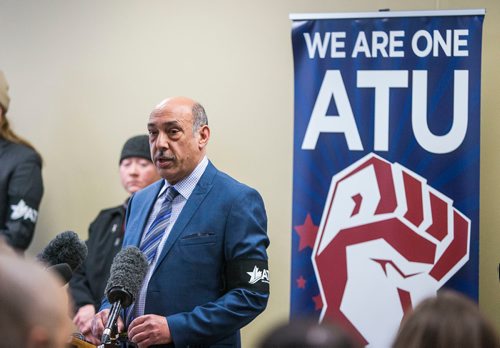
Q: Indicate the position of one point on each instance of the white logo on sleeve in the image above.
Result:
(257, 275)
(21, 210)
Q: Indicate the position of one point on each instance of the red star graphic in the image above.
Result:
(318, 302)
(301, 282)
(307, 233)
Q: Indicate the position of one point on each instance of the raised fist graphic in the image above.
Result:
(386, 241)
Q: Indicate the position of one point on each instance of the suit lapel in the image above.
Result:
(197, 196)
(144, 204)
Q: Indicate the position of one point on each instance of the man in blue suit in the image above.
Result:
(208, 274)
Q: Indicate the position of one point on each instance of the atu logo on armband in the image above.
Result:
(257, 275)
(22, 210)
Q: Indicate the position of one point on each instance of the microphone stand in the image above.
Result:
(111, 326)
(120, 341)
(120, 298)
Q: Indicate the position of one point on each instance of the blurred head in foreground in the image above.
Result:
(447, 320)
(33, 305)
(300, 333)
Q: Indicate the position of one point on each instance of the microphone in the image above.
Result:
(63, 271)
(65, 248)
(127, 272)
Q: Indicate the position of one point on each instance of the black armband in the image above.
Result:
(248, 274)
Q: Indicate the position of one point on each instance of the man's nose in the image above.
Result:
(162, 141)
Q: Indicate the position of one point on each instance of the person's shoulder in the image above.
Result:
(231, 185)
(148, 191)
(22, 153)
(119, 209)
(108, 214)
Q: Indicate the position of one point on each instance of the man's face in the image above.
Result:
(175, 150)
(137, 173)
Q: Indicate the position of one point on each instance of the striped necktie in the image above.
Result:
(149, 244)
(152, 238)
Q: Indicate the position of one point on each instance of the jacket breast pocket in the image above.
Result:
(198, 238)
(200, 250)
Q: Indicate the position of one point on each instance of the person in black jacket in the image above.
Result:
(105, 235)
(21, 184)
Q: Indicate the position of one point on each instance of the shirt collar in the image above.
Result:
(186, 186)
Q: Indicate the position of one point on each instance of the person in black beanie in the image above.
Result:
(106, 233)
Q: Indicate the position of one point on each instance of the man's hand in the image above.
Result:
(148, 330)
(99, 322)
(83, 321)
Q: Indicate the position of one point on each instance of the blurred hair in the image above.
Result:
(199, 117)
(446, 320)
(30, 297)
(6, 249)
(307, 332)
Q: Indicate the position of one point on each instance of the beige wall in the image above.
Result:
(84, 76)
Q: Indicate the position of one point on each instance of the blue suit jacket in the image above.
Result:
(222, 221)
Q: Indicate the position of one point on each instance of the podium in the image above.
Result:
(77, 342)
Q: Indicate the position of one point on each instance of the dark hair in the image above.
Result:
(446, 320)
(307, 332)
(199, 116)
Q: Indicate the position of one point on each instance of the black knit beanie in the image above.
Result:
(137, 146)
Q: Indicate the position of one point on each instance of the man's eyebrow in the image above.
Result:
(164, 124)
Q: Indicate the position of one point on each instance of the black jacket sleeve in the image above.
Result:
(24, 194)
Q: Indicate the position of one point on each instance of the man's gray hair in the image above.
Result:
(199, 117)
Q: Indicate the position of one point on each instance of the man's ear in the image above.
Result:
(204, 136)
(38, 338)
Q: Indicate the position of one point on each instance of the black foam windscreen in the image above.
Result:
(127, 271)
(67, 248)
(63, 271)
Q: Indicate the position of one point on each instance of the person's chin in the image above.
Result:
(133, 189)
(172, 179)
(167, 173)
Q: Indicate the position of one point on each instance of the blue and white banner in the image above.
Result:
(386, 164)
